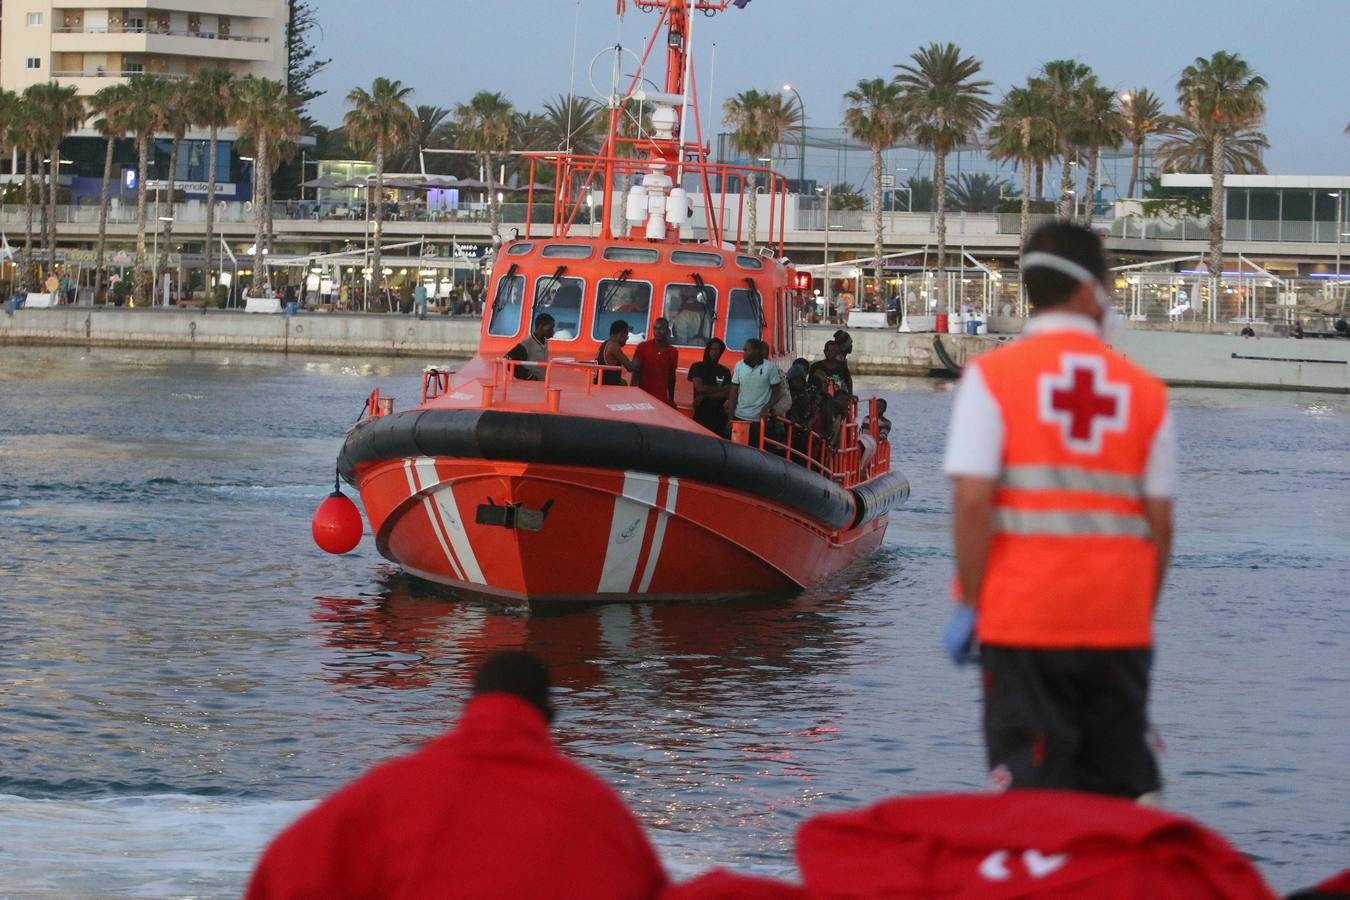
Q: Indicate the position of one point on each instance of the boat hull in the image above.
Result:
(557, 533)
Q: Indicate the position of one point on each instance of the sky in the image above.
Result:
(449, 49)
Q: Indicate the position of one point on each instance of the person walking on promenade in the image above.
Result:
(1062, 457)
(420, 300)
(491, 809)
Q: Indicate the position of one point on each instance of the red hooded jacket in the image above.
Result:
(491, 809)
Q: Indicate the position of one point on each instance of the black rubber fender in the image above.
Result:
(879, 496)
(605, 443)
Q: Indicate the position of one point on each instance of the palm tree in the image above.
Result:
(1187, 150)
(1022, 132)
(1102, 127)
(24, 134)
(1060, 83)
(760, 120)
(382, 118)
(920, 189)
(875, 118)
(1220, 97)
(573, 124)
(264, 113)
(485, 128)
(62, 111)
(213, 99)
(1142, 112)
(177, 114)
(143, 108)
(976, 193)
(108, 106)
(429, 121)
(946, 107)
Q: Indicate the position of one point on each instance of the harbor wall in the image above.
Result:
(1179, 357)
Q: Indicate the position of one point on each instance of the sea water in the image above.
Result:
(182, 672)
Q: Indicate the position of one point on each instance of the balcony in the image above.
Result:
(196, 44)
(246, 9)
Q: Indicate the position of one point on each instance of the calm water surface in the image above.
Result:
(182, 672)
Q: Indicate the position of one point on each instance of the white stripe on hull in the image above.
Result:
(659, 536)
(450, 520)
(436, 528)
(626, 531)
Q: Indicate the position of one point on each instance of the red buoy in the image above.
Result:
(337, 524)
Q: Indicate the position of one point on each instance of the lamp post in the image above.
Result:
(829, 303)
(801, 163)
(1337, 195)
(154, 266)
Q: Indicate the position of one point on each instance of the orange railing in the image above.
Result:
(844, 461)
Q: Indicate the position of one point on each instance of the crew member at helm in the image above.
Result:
(1062, 458)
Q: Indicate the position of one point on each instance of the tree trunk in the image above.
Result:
(53, 168)
(1091, 189)
(876, 219)
(940, 190)
(1066, 187)
(1040, 179)
(494, 214)
(1024, 227)
(376, 265)
(1216, 208)
(210, 207)
(138, 281)
(269, 220)
(27, 218)
(754, 212)
(260, 279)
(103, 217)
(169, 189)
(1135, 156)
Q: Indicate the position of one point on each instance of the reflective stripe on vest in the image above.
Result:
(1071, 478)
(1069, 524)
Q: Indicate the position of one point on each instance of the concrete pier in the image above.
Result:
(1182, 358)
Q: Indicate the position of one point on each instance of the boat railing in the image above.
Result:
(846, 461)
(556, 375)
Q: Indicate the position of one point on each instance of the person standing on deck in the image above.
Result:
(1062, 457)
(755, 386)
(491, 809)
(654, 363)
(533, 351)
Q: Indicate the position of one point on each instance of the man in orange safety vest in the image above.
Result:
(1062, 457)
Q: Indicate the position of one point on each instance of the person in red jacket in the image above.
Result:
(491, 809)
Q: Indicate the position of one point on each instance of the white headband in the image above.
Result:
(1041, 260)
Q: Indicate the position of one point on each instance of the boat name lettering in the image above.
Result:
(460, 395)
(628, 407)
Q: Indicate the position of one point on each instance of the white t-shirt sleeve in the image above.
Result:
(1160, 473)
(736, 374)
(975, 437)
(775, 376)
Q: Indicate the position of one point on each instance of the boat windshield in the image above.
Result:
(560, 298)
(507, 306)
(691, 310)
(621, 299)
(742, 318)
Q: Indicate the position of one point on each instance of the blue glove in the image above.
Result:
(958, 637)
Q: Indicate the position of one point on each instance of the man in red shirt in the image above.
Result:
(491, 809)
(654, 363)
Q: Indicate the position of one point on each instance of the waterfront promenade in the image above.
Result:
(1192, 354)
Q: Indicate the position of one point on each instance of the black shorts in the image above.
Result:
(1073, 719)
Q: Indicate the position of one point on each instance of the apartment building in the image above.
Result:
(90, 47)
(75, 42)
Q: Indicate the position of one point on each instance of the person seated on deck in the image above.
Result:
(687, 325)
(491, 809)
(883, 423)
(611, 354)
(712, 386)
(755, 386)
(533, 351)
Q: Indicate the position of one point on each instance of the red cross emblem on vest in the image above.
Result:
(1082, 402)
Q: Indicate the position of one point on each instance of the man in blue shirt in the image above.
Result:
(755, 386)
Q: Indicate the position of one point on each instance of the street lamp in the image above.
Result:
(801, 163)
(829, 303)
(154, 266)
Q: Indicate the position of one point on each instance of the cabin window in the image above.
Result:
(627, 300)
(743, 312)
(520, 249)
(696, 258)
(632, 254)
(567, 251)
(691, 310)
(750, 262)
(561, 299)
(507, 304)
